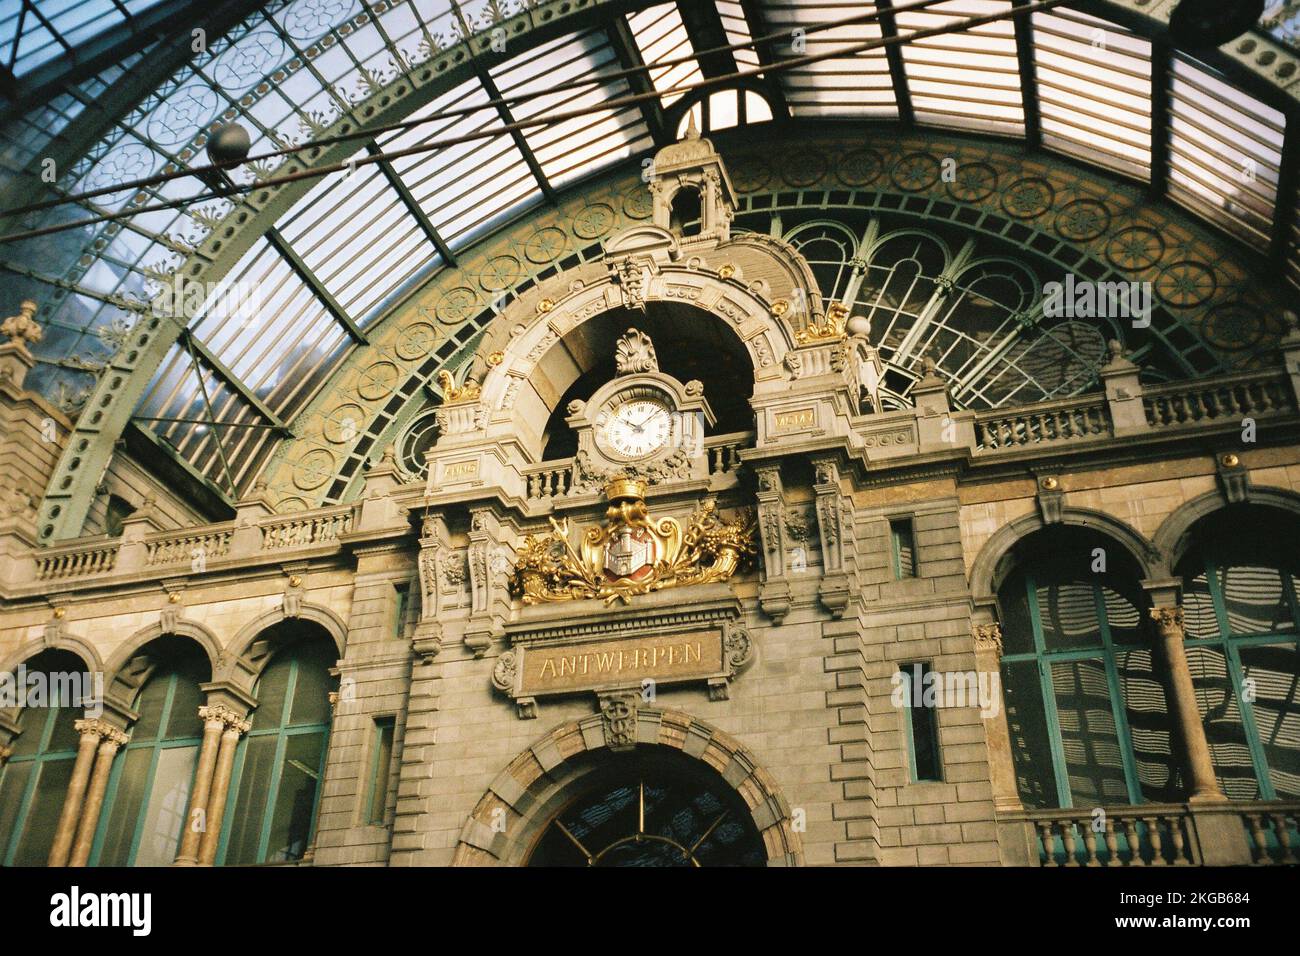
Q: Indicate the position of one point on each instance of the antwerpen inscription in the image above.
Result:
(666, 657)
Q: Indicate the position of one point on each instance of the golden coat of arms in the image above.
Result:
(631, 553)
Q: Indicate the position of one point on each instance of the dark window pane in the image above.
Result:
(1030, 748)
(1272, 674)
(1017, 628)
(1089, 737)
(1199, 618)
(183, 721)
(311, 697)
(382, 769)
(13, 784)
(296, 799)
(1216, 698)
(64, 737)
(128, 797)
(254, 781)
(1068, 612)
(38, 829)
(1254, 600)
(1151, 729)
(271, 691)
(32, 724)
(165, 814)
(150, 705)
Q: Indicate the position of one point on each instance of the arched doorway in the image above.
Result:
(691, 793)
(651, 810)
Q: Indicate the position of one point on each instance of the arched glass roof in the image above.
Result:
(1095, 81)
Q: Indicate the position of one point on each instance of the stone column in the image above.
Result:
(1200, 768)
(112, 740)
(90, 731)
(196, 814)
(235, 728)
(1002, 771)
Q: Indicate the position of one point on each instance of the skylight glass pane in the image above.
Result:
(968, 79)
(466, 188)
(1094, 90)
(266, 326)
(1225, 150)
(737, 28)
(853, 84)
(661, 36)
(572, 148)
(356, 236)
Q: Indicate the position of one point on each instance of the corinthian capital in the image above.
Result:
(1168, 618)
(102, 729)
(222, 714)
(988, 637)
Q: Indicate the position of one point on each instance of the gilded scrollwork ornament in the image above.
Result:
(631, 553)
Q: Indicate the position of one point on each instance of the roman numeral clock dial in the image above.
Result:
(636, 428)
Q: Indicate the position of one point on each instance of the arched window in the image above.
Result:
(1243, 629)
(34, 780)
(278, 769)
(1085, 698)
(144, 809)
(651, 811)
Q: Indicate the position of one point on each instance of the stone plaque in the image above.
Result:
(794, 420)
(663, 658)
(460, 470)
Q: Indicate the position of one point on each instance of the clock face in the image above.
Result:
(637, 427)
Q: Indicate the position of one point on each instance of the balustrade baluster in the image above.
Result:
(1134, 845)
(1157, 846)
(1046, 833)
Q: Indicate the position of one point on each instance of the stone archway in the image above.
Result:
(522, 800)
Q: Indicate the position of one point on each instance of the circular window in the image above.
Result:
(419, 437)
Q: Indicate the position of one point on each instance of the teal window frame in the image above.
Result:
(282, 732)
(1230, 645)
(898, 527)
(909, 733)
(1045, 659)
(158, 745)
(401, 607)
(38, 759)
(378, 789)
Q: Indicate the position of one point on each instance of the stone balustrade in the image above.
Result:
(1036, 425)
(1144, 835)
(1274, 830)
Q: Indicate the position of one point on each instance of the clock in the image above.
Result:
(635, 424)
(642, 423)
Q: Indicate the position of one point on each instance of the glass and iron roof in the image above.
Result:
(1093, 81)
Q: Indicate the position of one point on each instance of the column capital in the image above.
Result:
(102, 729)
(1168, 618)
(5, 753)
(226, 716)
(988, 637)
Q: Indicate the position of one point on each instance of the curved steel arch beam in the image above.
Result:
(1267, 66)
(117, 392)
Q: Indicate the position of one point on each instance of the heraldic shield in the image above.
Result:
(631, 552)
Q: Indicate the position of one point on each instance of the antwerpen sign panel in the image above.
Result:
(663, 658)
